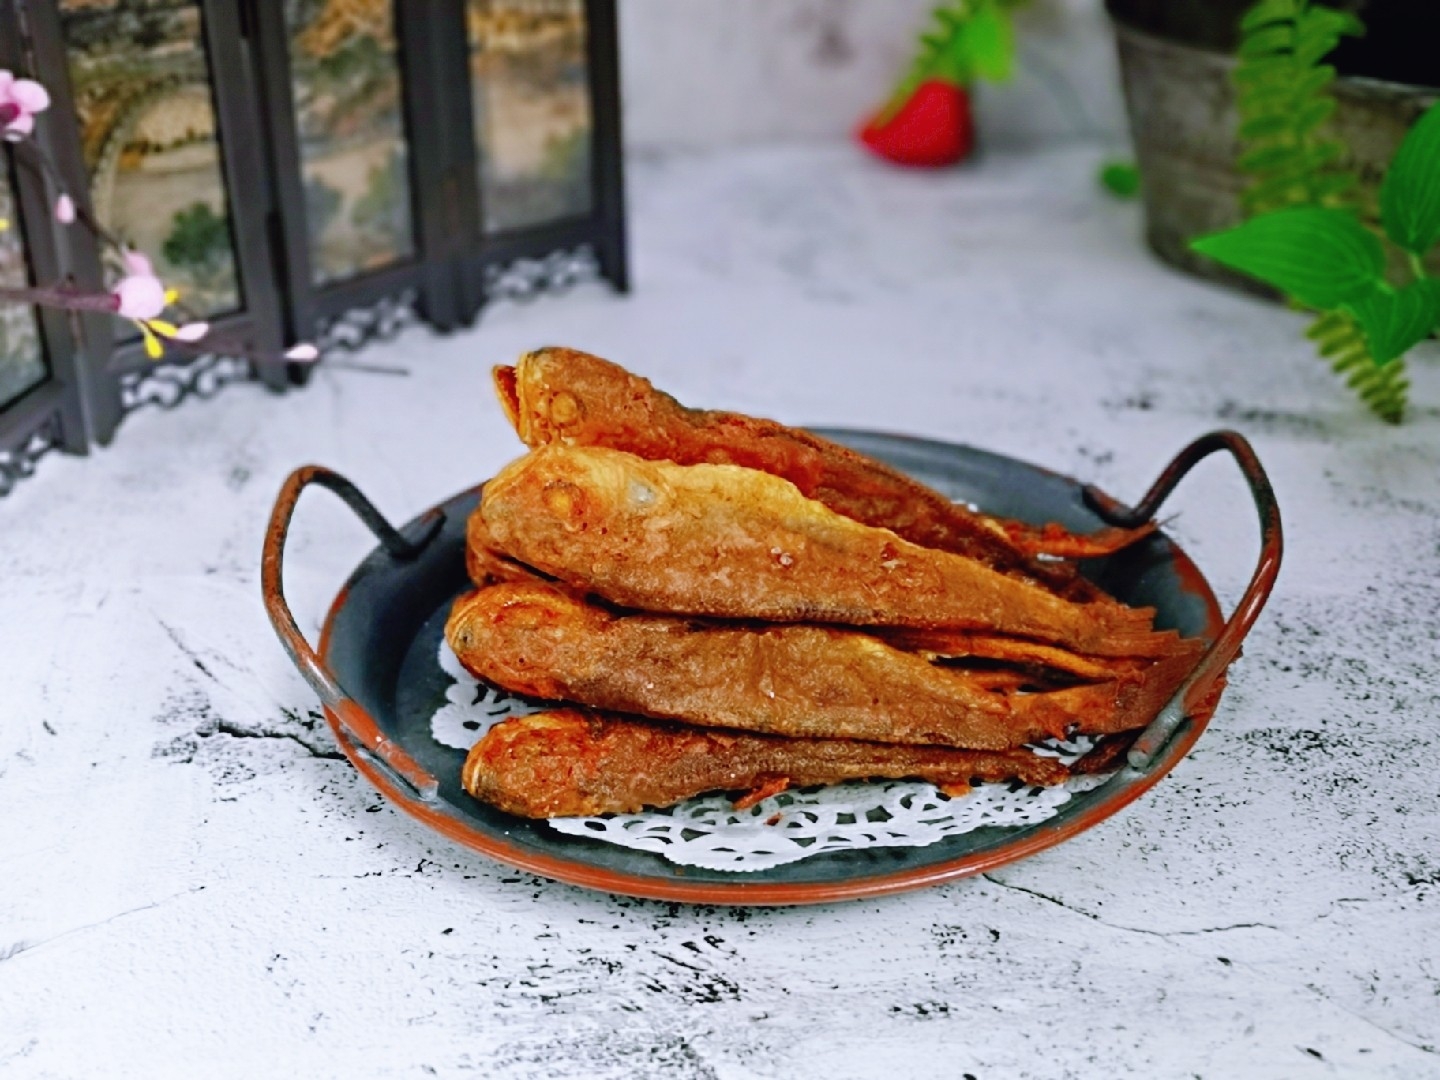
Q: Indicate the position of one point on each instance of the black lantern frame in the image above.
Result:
(50, 415)
(454, 265)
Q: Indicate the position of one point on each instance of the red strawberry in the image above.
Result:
(932, 127)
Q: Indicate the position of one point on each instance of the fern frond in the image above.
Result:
(1287, 160)
(1318, 30)
(1384, 389)
(1281, 91)
(1260, 127)
(1274, 39)
(1311, 114)
(1293, 188)
(1268, 11)
(1257, 70)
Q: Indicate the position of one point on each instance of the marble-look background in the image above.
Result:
(708, 73)
(193, 883)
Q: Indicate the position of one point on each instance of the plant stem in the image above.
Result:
(61, 297)
(1417, 266)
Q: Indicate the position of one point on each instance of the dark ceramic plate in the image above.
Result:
(377, 674)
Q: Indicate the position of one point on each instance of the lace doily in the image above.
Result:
(709, 832)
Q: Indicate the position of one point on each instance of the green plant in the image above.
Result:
(1120, 178)
(1306, 237)
(1282, 92)
(1326, 260)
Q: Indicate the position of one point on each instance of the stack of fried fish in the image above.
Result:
(718, 602)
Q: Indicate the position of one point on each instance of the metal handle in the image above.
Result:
(1201, 682)
(358, 725)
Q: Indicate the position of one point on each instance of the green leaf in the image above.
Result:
(1320, 29)
(1264, 78)
(1313, 113)
(1266, 158)
(942, 55)
(1120, 178)
(991, 39)
(1279, 190)
(1410, 194)
(1395, 319)
(1289, 160)
(1382, 388)
(1264, 70)
(1313, 81)
(1329, 188)
(1268, 11)
(1267, 41)
(1260, 127)
(1321, 257)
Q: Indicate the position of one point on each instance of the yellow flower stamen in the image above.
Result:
(153, 348)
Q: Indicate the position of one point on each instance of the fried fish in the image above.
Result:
(569, 763)
(733, 542)
(565, 396)
(780, 679)
(485, 564)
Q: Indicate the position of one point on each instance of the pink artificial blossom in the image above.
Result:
(191, 331)
(140, 296)
(137, 263)
(304, 352)
(20, 100)
(64, 209)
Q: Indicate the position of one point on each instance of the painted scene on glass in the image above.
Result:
(147, 128)
(346, 84)
(22, 367)
(532, 110)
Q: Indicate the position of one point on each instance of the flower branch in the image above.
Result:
(136, 292)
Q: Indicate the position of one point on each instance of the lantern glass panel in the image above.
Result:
(532, 109)
(347, 92)
(22, 361)
(143, 96)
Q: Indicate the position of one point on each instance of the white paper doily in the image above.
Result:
(710, 833)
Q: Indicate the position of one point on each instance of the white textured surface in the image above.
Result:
(179, 898)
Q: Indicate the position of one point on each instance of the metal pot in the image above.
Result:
(1183, 120)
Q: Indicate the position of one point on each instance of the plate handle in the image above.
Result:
(358, 725)
(1202, 681)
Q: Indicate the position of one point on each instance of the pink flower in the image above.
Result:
(137, 263)
(64, 209)
(140, 296)
(303, 352)
(191, 331)
(20, 100)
